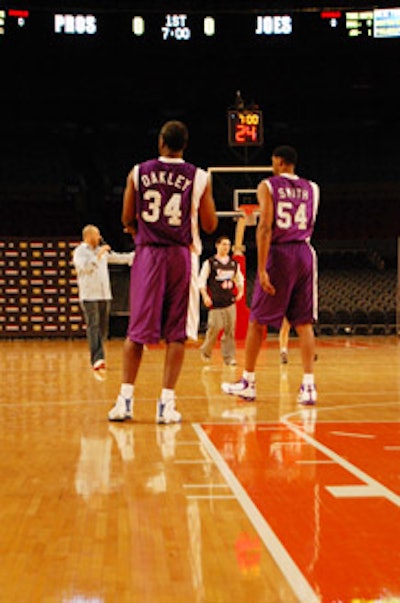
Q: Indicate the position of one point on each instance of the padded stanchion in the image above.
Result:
(242, 311)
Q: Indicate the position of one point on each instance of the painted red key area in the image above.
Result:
(348, 549)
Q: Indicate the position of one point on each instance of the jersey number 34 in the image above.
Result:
(171, 210)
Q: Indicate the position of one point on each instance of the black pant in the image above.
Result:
(97, 314)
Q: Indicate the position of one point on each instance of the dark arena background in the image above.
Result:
(85, 87)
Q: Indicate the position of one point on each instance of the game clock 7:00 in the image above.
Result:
(245, 128)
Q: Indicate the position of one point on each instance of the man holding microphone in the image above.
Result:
(91, 259)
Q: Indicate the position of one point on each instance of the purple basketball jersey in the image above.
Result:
(295, 208)
(164, 202)
(291, 264)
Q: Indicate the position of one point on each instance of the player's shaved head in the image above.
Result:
(175, 135)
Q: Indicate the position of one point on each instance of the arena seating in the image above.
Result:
(357, 292)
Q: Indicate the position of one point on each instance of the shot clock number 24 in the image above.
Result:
(245, 128)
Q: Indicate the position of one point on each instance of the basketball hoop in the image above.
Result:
(247, 216)
(250, 211)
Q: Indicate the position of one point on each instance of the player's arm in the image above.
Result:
(264, 235)
(207, 213)
(128, 217)
(202, 283)
(239, 282)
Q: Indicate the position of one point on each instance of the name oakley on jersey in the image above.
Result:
(178, 181)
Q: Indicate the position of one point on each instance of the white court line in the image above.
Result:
(349, 467)
(191, 461)
(358, 491)
(28, 403)
(348, 434)
(314, 462)
(324, 409)
(211, 496)
(205, 486)
(289, 569)
(276, 427)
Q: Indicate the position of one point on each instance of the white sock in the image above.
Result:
(284, 351)
(167, 395)
(126, 390)
(250, 377)
(308, 379)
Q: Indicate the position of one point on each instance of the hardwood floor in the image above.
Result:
(261, 502)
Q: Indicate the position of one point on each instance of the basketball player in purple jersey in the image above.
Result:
(163, 199)
(286, 282)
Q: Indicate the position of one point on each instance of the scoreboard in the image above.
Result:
(142, 65)
(182, 28)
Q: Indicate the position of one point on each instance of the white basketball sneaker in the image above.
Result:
(307, 395)
(243, 389)
(122, 410)
(167, 413)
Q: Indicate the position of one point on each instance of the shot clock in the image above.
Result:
(245, 128)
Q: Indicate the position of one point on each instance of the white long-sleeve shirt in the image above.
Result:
(92, 271)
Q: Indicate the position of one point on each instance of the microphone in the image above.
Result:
(102, 242)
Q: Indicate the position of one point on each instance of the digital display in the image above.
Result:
(387, 23)
(12, 15)
(274, 25)
(333, 17)
(359, 23)
(245, 128)
(191, 61)
(176, 26)
(138, 25)
(179, 29)
(75, 24)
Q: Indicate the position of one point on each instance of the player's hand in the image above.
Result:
(103, 249)
(207, 300)
(265, 283)
(239, 295)
(130, 230)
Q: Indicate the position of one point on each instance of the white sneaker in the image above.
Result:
(122, 410)
(241, 388)
(99, 364)
(167, 413)
(307, 395)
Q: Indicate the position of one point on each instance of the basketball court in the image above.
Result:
(242, 501)
(260, 502)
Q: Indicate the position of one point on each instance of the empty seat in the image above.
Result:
(343, 320)
(326, 322)
(377, 321)
(361, 322)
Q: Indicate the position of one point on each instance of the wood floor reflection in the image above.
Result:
(93, 512)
